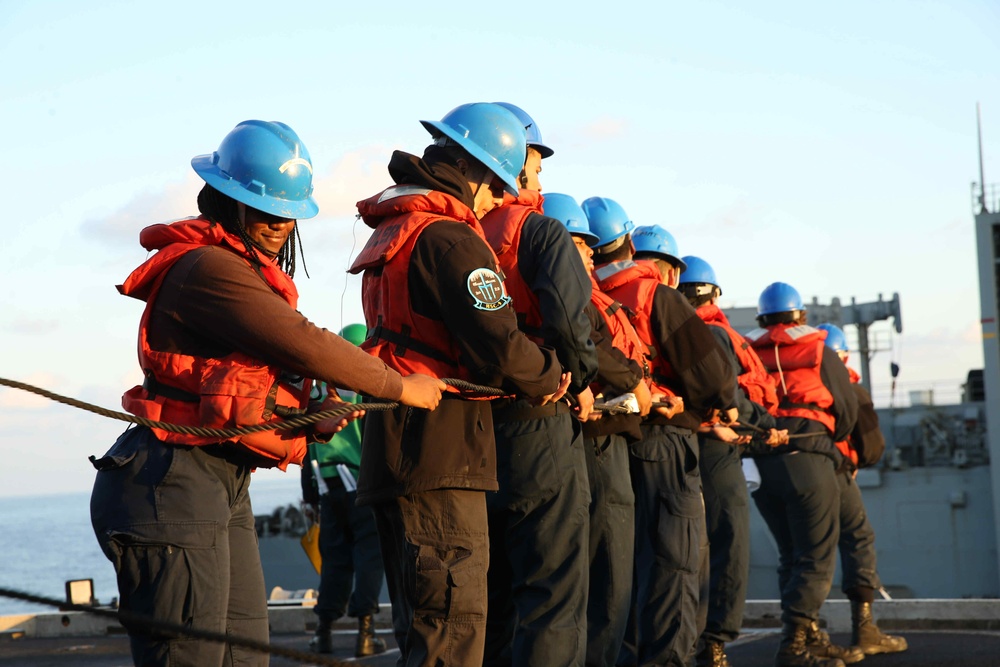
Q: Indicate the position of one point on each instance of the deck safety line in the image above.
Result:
(137, 621)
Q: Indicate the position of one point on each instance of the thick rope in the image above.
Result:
(167, 628)
(285, 424)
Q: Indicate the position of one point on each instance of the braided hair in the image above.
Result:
(222, 209)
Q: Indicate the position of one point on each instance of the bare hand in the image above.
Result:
(585, 404)
(728, 435)
(729, 416)
(674, 405)
(777, 438)
(335, 424)
(643, 398)
(564, 381)
(422, 391)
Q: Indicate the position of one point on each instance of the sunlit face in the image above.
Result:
(671, 275)
(268, 232)
(586, 253)
(532, 168)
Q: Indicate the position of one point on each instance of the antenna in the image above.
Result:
(982, 180)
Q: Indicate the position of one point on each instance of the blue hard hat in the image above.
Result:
(655, 239)
(489, 133)
(565, 209)
(836, 339)
(778, 298)
(264, 165)
(698, 272)
(607, 220)
(530, 128)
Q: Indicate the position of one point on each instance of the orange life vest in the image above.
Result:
(502, 227)
(633, 284)
(755, 381)
(236, 390)
(792, 355)
(405, 340)
(623, 334)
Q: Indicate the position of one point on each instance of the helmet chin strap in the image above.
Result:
(486, 178)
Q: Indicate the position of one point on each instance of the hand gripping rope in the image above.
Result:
(164, 627)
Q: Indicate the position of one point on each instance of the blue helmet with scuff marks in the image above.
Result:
(488, 132)
(264, 165)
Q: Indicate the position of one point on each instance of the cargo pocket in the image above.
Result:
(120, 454)
(677, 532)
(169, 572)
(446, 583)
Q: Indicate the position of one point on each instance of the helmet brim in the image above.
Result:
(209, 172)
(437, 128)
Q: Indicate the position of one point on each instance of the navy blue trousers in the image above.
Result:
(727, 515)
(612, 537)
(177, 525)
(671, 555)
(538, 524)
(351, 574)
(799, 499)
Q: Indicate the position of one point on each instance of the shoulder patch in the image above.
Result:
(486, 287)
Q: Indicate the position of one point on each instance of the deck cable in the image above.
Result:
(134, 621)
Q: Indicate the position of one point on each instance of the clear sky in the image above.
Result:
(828, 146)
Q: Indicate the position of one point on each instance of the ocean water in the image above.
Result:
(47, 540)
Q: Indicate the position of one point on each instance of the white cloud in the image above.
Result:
(358, 174)
(175, 201)
(20, 399)
(604, 128)
(31, 327)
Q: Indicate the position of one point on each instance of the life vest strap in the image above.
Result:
(403, 342)
(157, 388)
(785, 403)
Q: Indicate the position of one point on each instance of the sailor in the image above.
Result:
(687, 364)
(860, 578)
(221, 345)
(622, 372)
(538, 520)
(434, 300)
(727, 502)
(351, 572)
(799, 496)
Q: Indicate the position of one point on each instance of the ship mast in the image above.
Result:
(988, 250)
(982, 180)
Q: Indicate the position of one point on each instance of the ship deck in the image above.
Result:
(940, 633)
(928, 648)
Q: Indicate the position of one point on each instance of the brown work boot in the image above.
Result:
(792, 651)
(322, 641)
(866, 635)
(712, 654)
(819, 644)
(368, 643)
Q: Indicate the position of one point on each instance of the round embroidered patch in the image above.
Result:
(486, 288)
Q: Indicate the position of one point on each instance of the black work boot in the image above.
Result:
(819, 644)
(711, 654)
(322, 641)
(368, 642)
(792, 651)
(866, 635)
